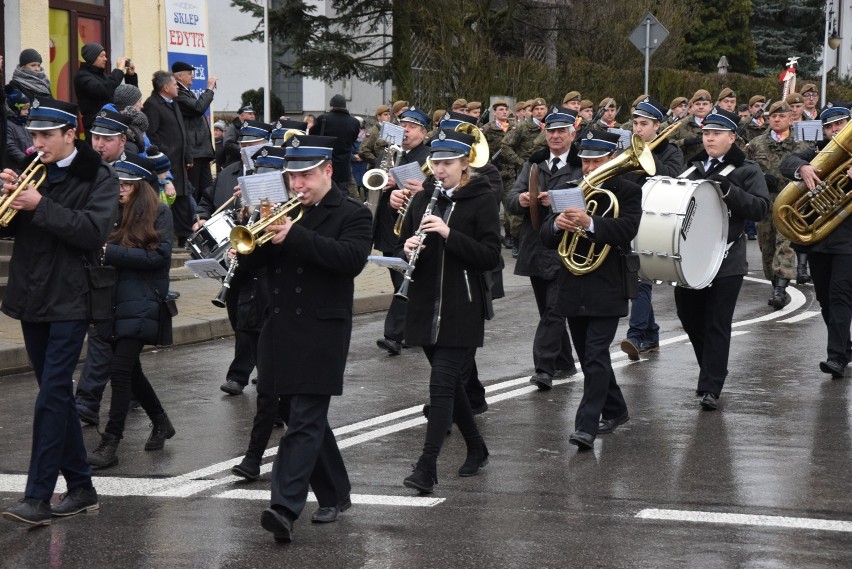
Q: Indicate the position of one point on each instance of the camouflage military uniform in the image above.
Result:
(372, 148)
(779, 259)
(517, 146)
(494, 135)
(689, 139)
(752, 131)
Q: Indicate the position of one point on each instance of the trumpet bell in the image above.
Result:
(244, 238)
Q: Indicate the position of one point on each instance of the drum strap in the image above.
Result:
(724, 172)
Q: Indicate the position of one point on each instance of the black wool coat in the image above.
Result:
(167, 131)
(344, 127)
(199, 137)
(95, 87)
(534, 259)
(601, 292)
(47, 278)
(445, 300)
(142, 279)
(304, 341)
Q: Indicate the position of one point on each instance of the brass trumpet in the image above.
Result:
(244, 238)
(23, 180)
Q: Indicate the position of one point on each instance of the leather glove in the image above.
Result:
(724, 184)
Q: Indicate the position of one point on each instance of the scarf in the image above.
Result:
(37, 82)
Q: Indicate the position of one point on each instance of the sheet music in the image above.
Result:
(407, 172)
(391, 133)
(562, 199)
(807, 130)
(388, 262)
(209, 268)
(269, 185)
(247, 155)
(624, 137)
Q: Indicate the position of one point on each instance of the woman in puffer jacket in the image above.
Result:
(140, 250)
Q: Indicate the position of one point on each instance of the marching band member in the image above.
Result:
(311, 268)
(448, 303)
(707, 314)
(593, 303)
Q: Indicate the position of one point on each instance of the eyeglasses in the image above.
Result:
(811, 95)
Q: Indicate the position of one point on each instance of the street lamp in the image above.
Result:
(832, 41)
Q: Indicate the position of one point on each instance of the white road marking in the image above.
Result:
(745, 519)
(369, 499)
(802, 316)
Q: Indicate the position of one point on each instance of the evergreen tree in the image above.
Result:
(786, 28)
(721, 28)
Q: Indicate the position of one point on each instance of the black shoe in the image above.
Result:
(231, 387)
(631, 348)
(606, 426)
(802, 276)
(393, 347)
(76, 501)
(280, 525)
(162, 429)
(29, 511)
(507, 242)
(88, 416)
(248, 469)
(329, 514)
(477, 458)
(515, 250)
(542, 380)
(172, 295)
(582, 440)
(565, 373)
(834, 367)
(752, 237)
(780, 298)
(645, 347)
(105, 455)
(423, 479)
(481, 409)
(708, 402)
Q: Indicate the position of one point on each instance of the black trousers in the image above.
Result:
(447, 398)
(706, 315)
(200, 176)
(126, 377)
(182, 216)
(832, 276)
(268, 405)
(552, 343)
(245, 341)
(308, 455)
(601, 394)
(395, 318)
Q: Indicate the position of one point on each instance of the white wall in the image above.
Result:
(239, 65)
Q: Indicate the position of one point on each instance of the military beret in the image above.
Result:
(794, 99)
(382, 109)
(499, 103)
(571, 96)
(677, 101)
(398, 106)
(725, 93)
(521, 105)
(756, 99)
(808, 87)
(474, 105)
(700, 95)
(438, 115)
(778, 107)
(606, 103)
(586, 104)
(459, 104)
(538, 102)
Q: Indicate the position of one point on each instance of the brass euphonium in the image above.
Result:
(23, 180)
(244, 238)
(809, 216)
(638, 156)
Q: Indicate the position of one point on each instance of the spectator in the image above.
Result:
(94, 87)
(29, 77)
(18, 138)
(232, 135)
(219, 128)
(337, 122)
(194, 109)
(166, 130)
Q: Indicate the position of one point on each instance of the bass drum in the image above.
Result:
(683, 233)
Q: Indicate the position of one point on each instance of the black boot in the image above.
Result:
(162, 429)
(779, 298)
(802, 276)
(424, 477)
(477, 457)
(105, 455)
(249, 468)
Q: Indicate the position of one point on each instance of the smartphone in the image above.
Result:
(128, 64)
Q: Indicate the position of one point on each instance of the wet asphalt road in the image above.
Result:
(779, 447)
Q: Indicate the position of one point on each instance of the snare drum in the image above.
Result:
(212, 241)
(683, 233)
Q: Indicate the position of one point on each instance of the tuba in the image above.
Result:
(24, 179)
(583, 257)
(807, 216)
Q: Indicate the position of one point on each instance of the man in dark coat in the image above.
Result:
(94, 86)
(311, 267)
(594, 302)
(58, 225)
(167, 131)
(231, 141)
(707, 314)
(337, 122)
(557, 165)
(194, 108)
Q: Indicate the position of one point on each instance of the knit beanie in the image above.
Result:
(29, 55)
(162, 164)
(91, 51)
(125, 96)
(138, 119)
(337, 102)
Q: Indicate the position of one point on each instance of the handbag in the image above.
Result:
(630, 272)
(167, 310)
(102, 281)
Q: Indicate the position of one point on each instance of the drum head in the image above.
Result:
(703, 236)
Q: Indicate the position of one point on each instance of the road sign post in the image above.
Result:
(647, 37)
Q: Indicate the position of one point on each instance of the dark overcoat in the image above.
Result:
(304, 341)
(446, 305)
(167, 131)
(344, 128)
(198, 135)
(95, 87)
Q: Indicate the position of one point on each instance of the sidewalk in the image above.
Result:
(198, 319)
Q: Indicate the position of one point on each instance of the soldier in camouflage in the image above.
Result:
(689, 137)
(811, 96)
(768, 149)
(757, 124)
(372, 146)
(797, 106)
(607, 120)
(629, 124)
(437, 117)
(677, 110)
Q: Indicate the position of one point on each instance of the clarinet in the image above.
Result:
(402, 293)
(226, 284)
